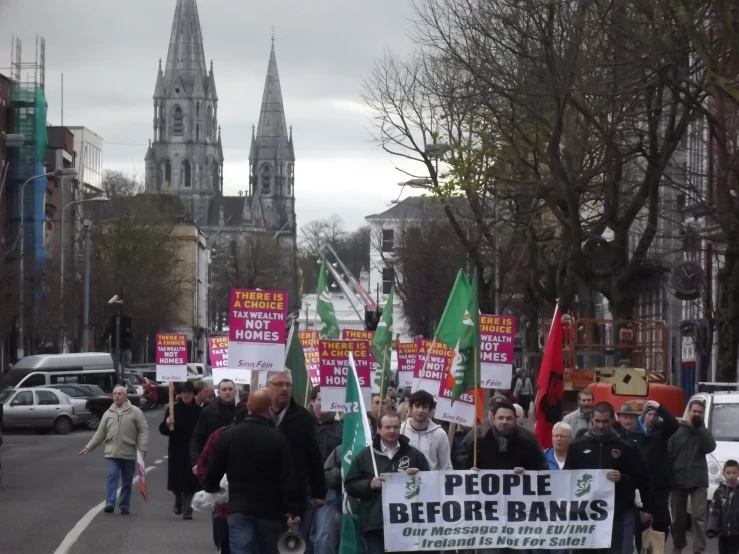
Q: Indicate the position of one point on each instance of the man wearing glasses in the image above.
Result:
(296, 424)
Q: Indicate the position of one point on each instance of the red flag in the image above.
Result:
(550, 384)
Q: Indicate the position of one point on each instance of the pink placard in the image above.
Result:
(335, 367)
(309, 342)
(171, 357)
(497, 335)
(433, 361)
(218, 351)
(256, 335)
(407, 352)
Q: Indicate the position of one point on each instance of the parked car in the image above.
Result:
(721, 417)
(41, 409)
(96, 402)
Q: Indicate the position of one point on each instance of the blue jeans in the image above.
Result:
(253, 535)
(323, 527)
(123, 470)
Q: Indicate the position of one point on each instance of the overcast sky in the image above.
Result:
(108, 51)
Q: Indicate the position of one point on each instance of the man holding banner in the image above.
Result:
(390, 452)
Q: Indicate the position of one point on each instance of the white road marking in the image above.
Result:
(76, 532)
(165, 457)
(158, 462)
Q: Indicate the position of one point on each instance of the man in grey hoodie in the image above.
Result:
(424, 434)
(580, 418)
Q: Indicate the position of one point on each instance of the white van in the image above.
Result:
(94, 368)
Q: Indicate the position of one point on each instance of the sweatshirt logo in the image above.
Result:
(616, 453)
(404, 463)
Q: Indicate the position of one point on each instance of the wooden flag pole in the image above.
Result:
(474, 425)
(171, 405)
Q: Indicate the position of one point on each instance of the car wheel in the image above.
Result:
(62, 425)
(94, 421)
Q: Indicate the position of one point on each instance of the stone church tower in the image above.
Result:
(272, 157)
(186, 158)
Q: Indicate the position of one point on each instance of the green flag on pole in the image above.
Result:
(356, 435)
(295, 362)
(329, 323)
(382, 345)
(466, 364)
(450, 325)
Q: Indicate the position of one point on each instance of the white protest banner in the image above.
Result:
(497, 341)
(466, 510)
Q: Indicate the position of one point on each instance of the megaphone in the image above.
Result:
(291, 542)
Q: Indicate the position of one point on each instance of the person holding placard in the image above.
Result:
(390, 452)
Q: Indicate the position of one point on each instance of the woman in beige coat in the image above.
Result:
(124, 430)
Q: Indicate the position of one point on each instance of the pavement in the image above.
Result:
(48, 490)
(51, 502)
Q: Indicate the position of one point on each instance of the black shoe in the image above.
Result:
(108, 509)
(178, 505)
(124, 511)
(187, 505)
(187, 515)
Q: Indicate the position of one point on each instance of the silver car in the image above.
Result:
(41, 409)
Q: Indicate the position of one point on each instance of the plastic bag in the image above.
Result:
(205, 501)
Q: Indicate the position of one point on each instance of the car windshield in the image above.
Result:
(12, 378)
(723, 422)
(5, 395)
(134, 379)
(94, 389)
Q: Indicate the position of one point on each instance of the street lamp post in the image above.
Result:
(86, 298)
(61, 265)
(22, 236)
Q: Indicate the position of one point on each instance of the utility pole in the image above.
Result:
(86, 300)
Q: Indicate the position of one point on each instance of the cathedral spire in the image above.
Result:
(186, 56)
(272, 128)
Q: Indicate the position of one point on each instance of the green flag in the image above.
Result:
(295, 362)
(329, 323)
(356, 435)
(466, 363)
(382, 345)
(451, 320)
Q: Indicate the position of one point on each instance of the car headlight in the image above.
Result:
(714, 470)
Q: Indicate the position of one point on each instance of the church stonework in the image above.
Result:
(185, 157)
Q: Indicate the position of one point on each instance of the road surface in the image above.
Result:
(51, 502)
(48, 490)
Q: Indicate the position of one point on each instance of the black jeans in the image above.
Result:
(524, 400)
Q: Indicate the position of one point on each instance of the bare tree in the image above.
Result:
(117, 183)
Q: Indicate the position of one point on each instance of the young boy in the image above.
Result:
(724, 517)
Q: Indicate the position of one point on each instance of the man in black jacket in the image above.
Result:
(504, 446)
(257, 460)
(602, 448)
(686, 452)
(652, 432)
(297, 426)
(219, 413)
(392, 453)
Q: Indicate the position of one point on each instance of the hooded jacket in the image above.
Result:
(433, 442)
(593, 451)
(361, 473)
(124, 430)
(653, 443)
(723, 519)
(686, 451)
(212, 417)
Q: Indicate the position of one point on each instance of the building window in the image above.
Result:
(197, 133)
(178, 122)
(209, 123)
(388, 278)
(167, 174)
(388, 240)
(185, 174)
(266, 179)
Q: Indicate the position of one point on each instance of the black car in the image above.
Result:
(97, 401)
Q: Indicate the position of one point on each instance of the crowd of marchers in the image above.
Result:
(283, 462)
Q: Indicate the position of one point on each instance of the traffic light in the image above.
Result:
(126, 332)
(372, 319)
